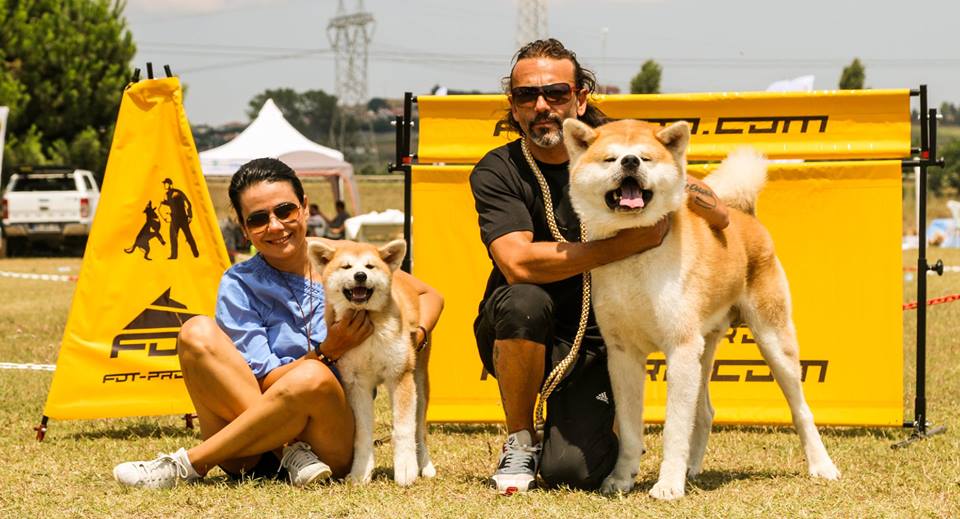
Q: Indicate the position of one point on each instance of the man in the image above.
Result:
(181, 213)
(532, 304)
(336, 226)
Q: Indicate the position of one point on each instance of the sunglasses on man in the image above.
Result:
(556, 93)
(286, 212)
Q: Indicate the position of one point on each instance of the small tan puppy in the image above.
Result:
(680, 297)
(362, 277)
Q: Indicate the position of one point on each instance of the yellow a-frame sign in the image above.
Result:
(154, 259)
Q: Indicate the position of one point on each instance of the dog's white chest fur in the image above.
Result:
(640, 301)
(383, 356)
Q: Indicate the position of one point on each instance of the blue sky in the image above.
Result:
(227, 51)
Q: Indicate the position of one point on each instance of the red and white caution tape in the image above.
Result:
(43, 277)
(35, 367)
(946, 268)
(935, 301)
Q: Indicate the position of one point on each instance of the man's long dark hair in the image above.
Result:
(583, 78)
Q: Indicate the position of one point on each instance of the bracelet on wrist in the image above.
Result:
(425, 341)
(323, 358)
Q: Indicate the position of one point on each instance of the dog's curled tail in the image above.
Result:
(739, 179)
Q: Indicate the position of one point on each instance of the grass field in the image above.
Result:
(750, 471)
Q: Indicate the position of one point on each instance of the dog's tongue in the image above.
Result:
(359, 292)
(630, 195)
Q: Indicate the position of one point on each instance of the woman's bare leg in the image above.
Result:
(307, 403)
(218, 380)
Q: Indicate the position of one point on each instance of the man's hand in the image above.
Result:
(352, 329)
(706, 204)
(644, 238)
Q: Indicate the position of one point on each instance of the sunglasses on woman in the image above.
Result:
(556, 93)
(286, 212)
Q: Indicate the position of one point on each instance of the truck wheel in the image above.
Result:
(75, 245)
(16, 247)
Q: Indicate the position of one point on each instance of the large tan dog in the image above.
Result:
(362, 277)
(680, 297)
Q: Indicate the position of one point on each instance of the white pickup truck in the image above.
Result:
(50, 205)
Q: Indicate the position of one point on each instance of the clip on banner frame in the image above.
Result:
(924, 157)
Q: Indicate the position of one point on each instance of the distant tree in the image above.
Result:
(948, 177)
(950, 112)
(376, 103)
(647, 81)
(63, 65)
(853, 76)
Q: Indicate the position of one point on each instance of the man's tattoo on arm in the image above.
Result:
(703, 196)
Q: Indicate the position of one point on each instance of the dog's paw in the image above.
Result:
(428, 471)
(405, 471)
(694, 471)
(359, 477)
(613, 485)
(666, 491)
(825, 470)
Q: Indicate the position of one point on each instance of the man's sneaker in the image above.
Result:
(517, 470)
(303, 466)
(163, 472)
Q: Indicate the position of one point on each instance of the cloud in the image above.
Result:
(192, 6)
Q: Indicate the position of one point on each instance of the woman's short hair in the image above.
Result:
(257, 171)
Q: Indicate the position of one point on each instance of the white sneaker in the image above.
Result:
(163, 472)
(303, 466)
(519, 461)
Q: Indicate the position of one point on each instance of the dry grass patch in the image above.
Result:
(750, 471)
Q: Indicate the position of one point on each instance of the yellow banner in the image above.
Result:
(837, 228)
(154, 259)
(836, 124)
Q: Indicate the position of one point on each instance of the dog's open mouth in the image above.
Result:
(630, 196)
(358, 294)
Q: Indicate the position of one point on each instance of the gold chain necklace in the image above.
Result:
(309, 291)
(555, 376)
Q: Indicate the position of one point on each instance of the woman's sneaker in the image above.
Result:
(303, 466)
(163, 472)
(517, 469)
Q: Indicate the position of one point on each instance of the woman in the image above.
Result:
(256, 381)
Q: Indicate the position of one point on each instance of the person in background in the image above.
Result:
(336, 226)
(316, 222)
(232, 237)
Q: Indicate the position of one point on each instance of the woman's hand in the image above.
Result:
(345, 334)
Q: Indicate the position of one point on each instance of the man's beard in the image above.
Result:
(547, 137)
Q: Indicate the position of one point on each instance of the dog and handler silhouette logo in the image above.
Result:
(178, 215)
(153, 260)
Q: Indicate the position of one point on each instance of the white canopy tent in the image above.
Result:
(270, 135)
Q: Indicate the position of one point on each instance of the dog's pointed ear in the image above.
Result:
(320, 253)
(392, 253)
(676, 137)
(577, 137)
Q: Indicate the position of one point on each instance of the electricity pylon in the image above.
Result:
(531, 21)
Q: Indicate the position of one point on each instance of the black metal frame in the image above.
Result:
(927, 158)
(927, 153)
(402, 162)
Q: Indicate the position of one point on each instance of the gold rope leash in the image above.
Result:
(555, 376)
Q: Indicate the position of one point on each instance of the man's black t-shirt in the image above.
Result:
(508, 199)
